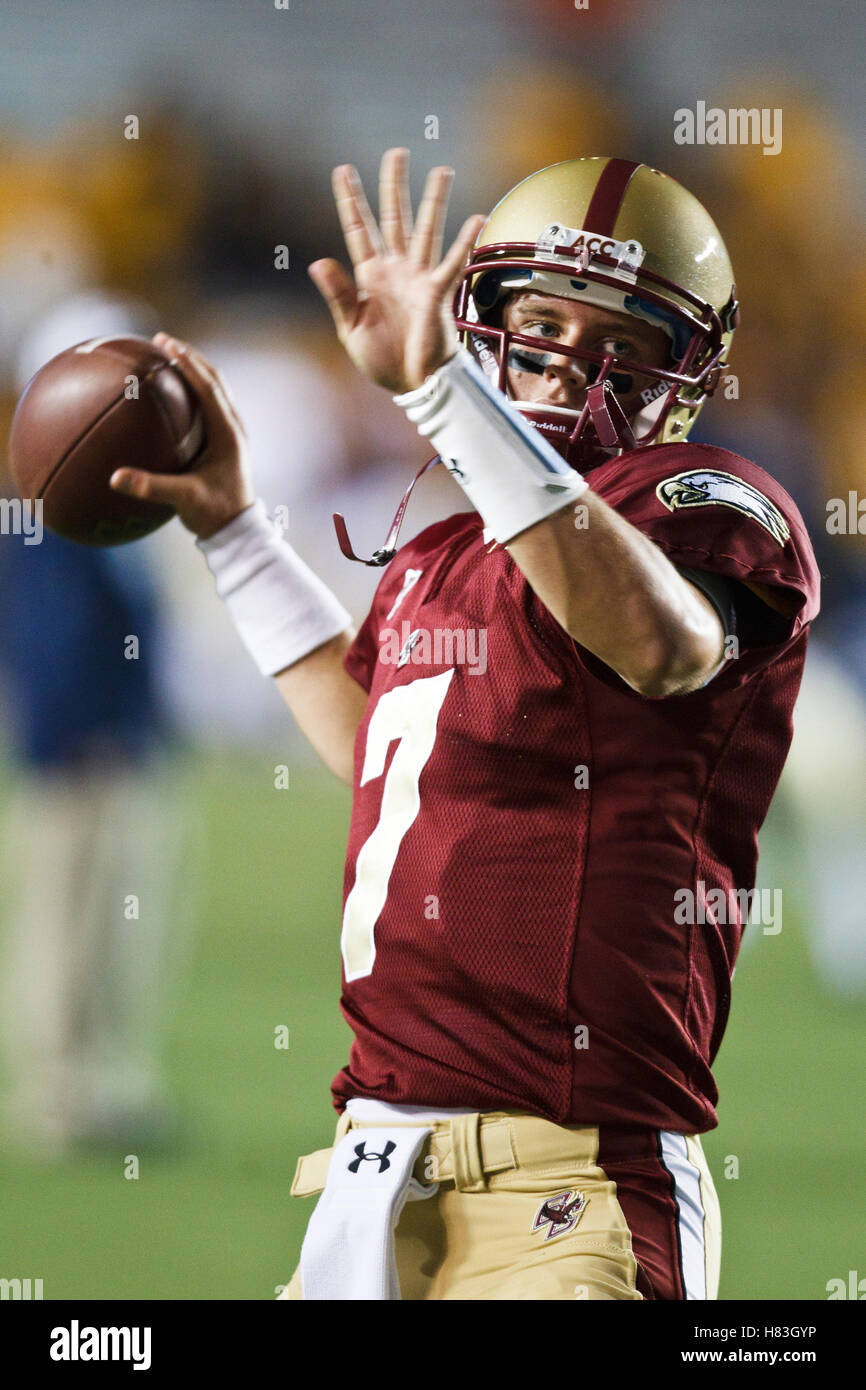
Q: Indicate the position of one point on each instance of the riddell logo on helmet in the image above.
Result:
(548, 426)
(653, 392)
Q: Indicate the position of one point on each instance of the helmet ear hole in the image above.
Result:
(495, 315)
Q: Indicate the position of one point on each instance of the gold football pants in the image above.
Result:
(529, 1209)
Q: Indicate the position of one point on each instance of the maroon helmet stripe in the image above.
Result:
(607, 199)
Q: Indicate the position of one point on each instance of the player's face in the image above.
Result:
(552, 378)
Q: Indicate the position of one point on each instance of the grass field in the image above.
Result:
(212, 1217)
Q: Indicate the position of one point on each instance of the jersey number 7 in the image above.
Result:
(408, 713)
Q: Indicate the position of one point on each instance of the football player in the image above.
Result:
(563, 720)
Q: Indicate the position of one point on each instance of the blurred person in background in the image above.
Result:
(93, 828)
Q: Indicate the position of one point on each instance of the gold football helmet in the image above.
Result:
(625, 237)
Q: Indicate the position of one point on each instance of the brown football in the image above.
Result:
(106, 403)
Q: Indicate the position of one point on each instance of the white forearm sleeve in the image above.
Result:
(281, 609)
(507, 469)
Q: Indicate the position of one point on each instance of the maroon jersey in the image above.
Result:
(525, 824)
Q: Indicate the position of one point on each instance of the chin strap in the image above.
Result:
(608, 417)
(385, 554)
(611, 426)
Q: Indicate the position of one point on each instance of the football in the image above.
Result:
(95, 407)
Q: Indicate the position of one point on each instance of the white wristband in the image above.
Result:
(281, 609)
(509, 472)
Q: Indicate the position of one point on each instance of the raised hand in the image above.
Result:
(394, 315)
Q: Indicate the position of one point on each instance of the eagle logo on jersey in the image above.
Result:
(703, 488)
(559, 1214)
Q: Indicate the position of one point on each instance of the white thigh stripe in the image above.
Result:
(691, 1215)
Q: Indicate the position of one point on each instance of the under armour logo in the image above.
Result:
(384, 1161)
(559, 1214)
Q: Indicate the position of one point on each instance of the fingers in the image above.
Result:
(395, 208)
(364, 239)
(221, 419)
(337, 288)
(359, 227)
(426, 243)
(172, 490)
(196, 361)
(454, 261)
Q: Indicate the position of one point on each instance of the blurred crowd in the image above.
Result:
(178, 229)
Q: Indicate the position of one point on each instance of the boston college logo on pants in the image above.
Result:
(559, 1214)
(384, 1161)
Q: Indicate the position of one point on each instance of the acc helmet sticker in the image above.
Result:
(704, 487)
